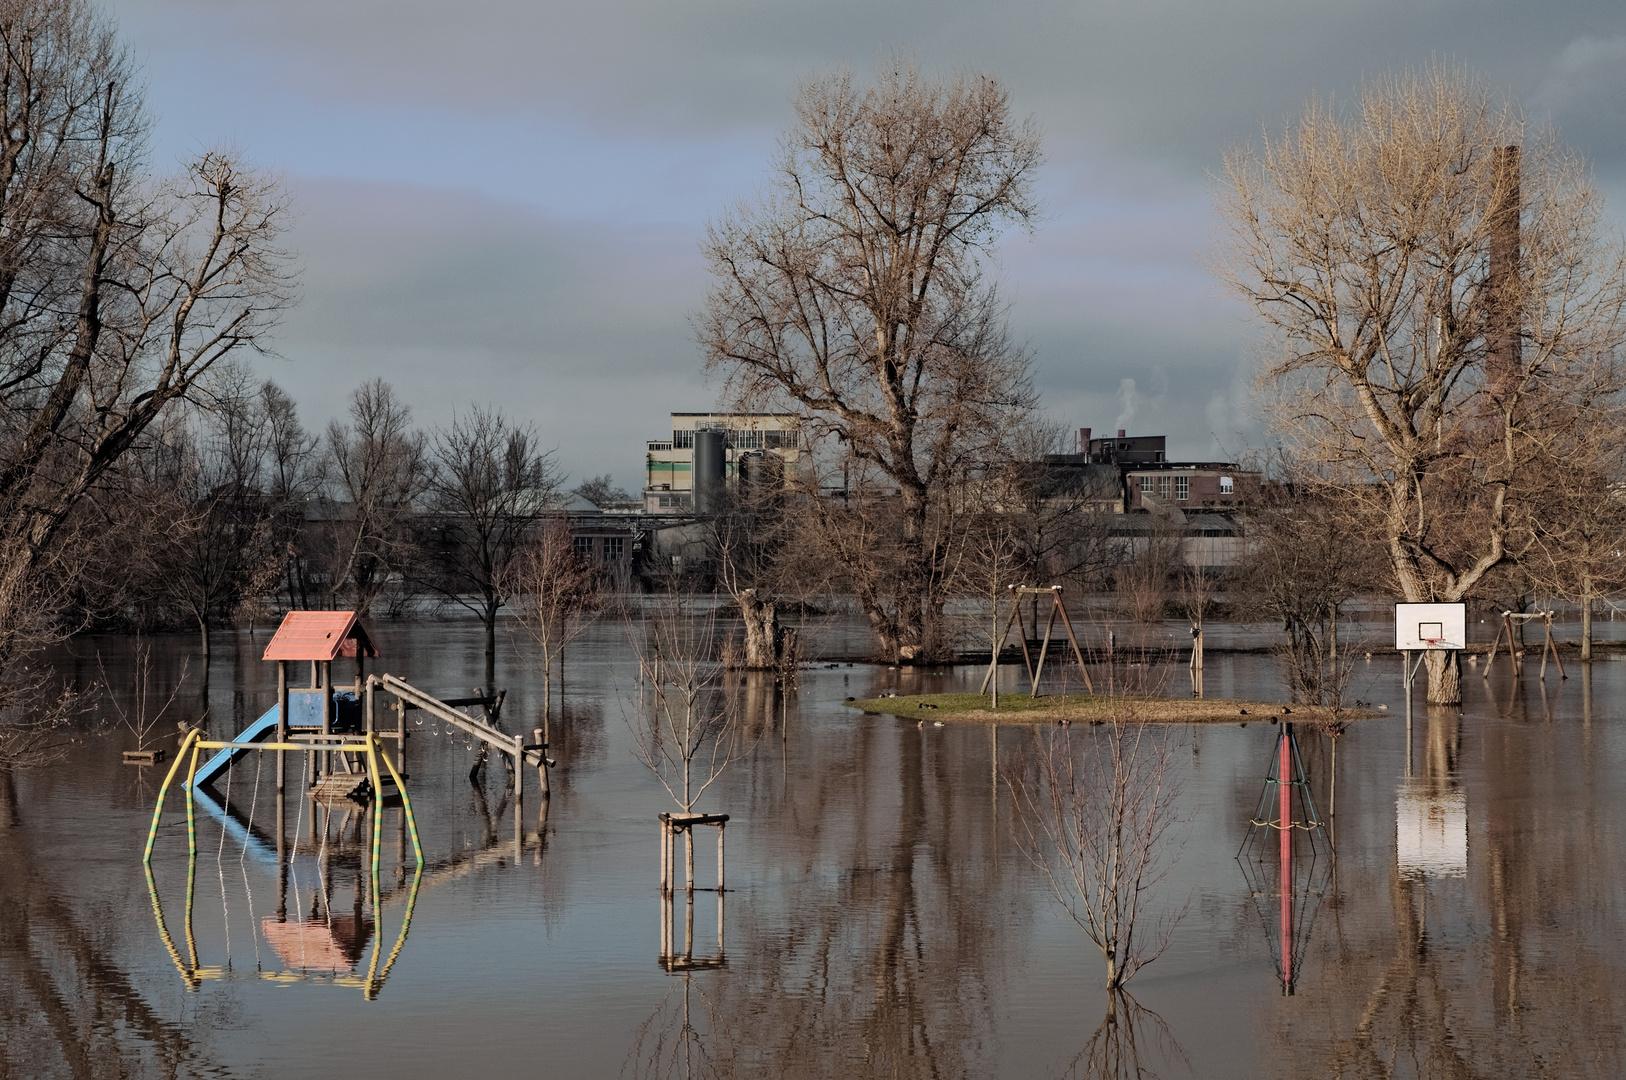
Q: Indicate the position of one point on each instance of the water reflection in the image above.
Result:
(318, 943)
(883, 924)
(1129, 1044)
(1286, 858)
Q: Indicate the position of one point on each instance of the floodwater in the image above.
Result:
(1461, 915)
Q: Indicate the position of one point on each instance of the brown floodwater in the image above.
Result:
(1461, 914)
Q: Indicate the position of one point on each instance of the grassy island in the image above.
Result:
(1083, 708)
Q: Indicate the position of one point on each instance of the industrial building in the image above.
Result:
(715, 447)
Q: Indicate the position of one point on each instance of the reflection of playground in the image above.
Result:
(1282, 859)
(319, 943)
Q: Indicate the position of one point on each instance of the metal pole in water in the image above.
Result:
(1284, 787)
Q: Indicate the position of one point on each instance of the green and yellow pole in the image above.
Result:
(378, 813)
(406, 804)
(163, 791)
(191, 815)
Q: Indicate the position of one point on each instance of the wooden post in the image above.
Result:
(327, 712)
(688, 864)
(1078, 654)
(1044, 646)
(367, 708)
(666, 852)
(282, 724)
(721, 825)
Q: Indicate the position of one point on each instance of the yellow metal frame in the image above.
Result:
(191, 973)
(370, 745)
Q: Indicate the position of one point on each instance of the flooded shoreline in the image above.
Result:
(880, 918)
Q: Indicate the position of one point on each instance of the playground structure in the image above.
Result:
(1036, 669)
(348, 767)
(1548, 645)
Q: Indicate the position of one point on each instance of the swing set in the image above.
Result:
(1548, 645)
(1035, 670)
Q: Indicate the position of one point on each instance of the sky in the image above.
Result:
(500, 202)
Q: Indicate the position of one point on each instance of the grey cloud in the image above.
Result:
(579, 327)
(1167, 77)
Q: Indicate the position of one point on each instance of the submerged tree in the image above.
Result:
(555, 595)
(118, 292)
(1308, 556)
(1447, 297)
(854, 294)
(490, 484)
(690, 731)
(1093, 813)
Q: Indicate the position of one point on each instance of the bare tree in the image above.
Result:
(211, 530)
(1094, 816)
(1308, 556)
(292, 482)
(993, 557)
(690, 731)
(375, 471)
(1579, 551)
(118, 292)
(1147, 578)
(491, 483)
(753, 540)
(1062, 509)
(1448, 299)
(854, 294)
(602, 491)
(555, 595)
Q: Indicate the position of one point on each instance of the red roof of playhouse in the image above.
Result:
(319, 635)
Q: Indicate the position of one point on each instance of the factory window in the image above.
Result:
(1163, 487)
(614, 547)
(778, 440)
(584, 548)
(1182, 488)
(747, 440)
(1227, 486)
(682, 440)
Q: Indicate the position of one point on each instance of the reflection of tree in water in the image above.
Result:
(576, 738)
(884, 963)
(66, 1008)
(671, 1044)
(1128, 1044)
(1509, 972)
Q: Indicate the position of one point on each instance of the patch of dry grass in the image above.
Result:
(1083, 708)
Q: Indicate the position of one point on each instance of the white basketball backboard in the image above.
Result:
(1419, 627)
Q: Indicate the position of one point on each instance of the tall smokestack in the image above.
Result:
(1083, 440)
(1120, 433)
(1503, 323)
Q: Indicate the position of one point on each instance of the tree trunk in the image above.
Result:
(1444, 678)
(203, 636)
(491, 648)
(761, 630)
(1586, 616)
(547, 696)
